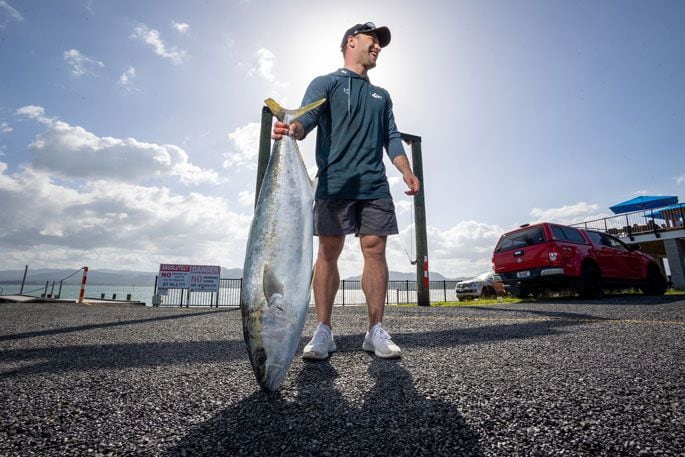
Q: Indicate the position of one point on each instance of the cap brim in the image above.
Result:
(383, 35)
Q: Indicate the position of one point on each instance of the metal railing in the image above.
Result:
(628, 225)
(349, 293)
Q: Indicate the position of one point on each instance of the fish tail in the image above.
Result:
(285, 115)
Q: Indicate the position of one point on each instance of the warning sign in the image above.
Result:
(196, 278)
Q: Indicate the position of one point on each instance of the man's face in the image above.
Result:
(367, 49)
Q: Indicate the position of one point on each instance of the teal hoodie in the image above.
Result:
(355, 124)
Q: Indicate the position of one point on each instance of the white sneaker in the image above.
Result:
(321, 344)
(379, 342)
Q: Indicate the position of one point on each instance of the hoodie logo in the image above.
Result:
(346, 90)
(375, 95)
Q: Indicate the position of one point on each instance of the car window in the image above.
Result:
(614, 243)
(522, 238)
(596, 238)
(567, 234)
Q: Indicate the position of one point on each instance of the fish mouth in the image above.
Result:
(269, 375)
(272, 378)
(259, 364)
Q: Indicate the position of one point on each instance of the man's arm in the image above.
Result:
(402, 164)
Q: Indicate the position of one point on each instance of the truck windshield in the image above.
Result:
(522, 238)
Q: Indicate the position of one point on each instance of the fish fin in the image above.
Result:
(270, 283)
(275, 108)
(282, 114)
(300, 111)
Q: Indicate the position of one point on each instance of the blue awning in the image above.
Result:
(672, 212)
(644, 202)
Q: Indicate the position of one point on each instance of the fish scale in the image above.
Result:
(278, 259)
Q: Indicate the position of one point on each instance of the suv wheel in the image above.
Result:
(488, 292)
(591, 282)
(655, 282)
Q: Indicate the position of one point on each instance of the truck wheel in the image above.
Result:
(520, 292)
(591, 282)
(655, 282)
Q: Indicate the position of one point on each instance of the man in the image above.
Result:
(352, 196)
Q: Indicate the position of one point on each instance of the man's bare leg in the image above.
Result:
(374, 276)
(327, 276)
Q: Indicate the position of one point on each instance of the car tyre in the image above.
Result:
(519, 291)
(655, 282)
(591, 282)
(488, 292)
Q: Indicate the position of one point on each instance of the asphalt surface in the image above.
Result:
(548, 378)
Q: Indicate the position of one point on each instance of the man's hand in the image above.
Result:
(412, 182)
(294, 130)
(402, 164)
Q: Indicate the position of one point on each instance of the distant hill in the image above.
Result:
(108, 277)
(104, 277)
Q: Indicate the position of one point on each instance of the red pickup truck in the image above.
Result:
(548, 257)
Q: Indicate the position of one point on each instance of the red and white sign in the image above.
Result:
(196, 278)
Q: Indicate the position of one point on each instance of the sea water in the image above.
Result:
(138, 293)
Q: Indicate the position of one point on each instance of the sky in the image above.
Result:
(129, 130)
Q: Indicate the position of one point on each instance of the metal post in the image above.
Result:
(59, 294)
(84, 279)
(422, 278)
(264, 148)
(23, 280)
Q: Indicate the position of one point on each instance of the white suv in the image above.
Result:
(485, 285)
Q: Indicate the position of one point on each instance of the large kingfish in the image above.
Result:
(278, 260)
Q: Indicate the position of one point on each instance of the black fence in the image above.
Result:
(349, 293)
(643, 222)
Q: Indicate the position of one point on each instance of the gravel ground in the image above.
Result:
(548, 378)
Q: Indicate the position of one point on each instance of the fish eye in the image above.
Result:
(260, 357)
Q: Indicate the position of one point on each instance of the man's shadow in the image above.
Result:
(392, 419)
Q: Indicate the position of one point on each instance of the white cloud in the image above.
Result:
(10, 13)
(113, 224)
(73, 152)
(35, 112)
(569, 214)
(266, 61)
(152, 38)
(680, 180)
(180, 27)
(403, 206)
(265, 66)
(246, 147)
(126, 78)
(246, 198)
(5, 127)
(81, 64)
(460, 251)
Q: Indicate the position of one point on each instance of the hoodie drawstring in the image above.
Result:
(349, 94)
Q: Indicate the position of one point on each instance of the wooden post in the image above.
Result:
(264, 149)
(422, 277)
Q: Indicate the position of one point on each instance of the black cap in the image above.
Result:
(382, 33)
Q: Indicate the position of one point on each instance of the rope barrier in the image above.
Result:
(29, 292)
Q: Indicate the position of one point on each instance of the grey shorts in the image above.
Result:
(361, 217)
